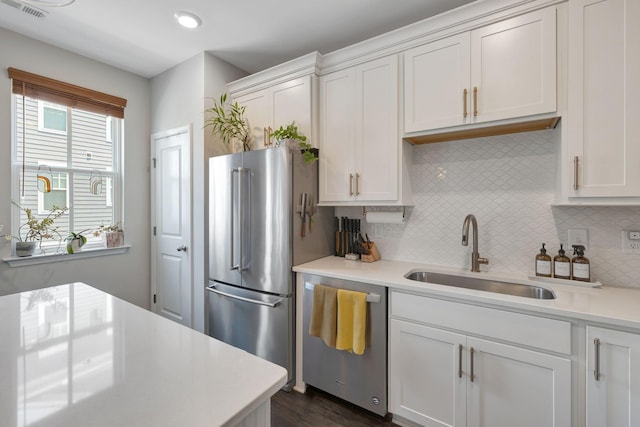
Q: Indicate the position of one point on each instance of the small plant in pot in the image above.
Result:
(290, 133)
(228, 122)
(34, 230)
(75, 241)
(112, 234)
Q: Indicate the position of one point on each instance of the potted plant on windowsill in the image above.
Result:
(113, 234)
(289, 135)
(228, 122)
(34, 230)
(75, 241)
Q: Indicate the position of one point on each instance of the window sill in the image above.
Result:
(45, 259)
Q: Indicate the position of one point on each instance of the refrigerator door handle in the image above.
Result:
(232, 266)
(273, 304)
(240, 216)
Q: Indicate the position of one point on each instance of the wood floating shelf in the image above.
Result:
(495, 130)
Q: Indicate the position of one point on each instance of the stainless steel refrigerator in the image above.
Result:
(263, 220)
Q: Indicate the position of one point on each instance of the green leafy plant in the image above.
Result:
(309, 154)
(82, 240)
(227, 121)
(35, 229)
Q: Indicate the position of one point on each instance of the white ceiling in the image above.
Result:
(141, 36)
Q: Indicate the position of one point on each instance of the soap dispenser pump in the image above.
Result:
(543, 263)
(580, 265)
(561, 265)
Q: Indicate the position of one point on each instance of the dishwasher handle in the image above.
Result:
(212, 288)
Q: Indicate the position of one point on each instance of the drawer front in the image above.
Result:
(539, 332)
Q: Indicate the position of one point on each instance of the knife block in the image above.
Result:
(373, 255)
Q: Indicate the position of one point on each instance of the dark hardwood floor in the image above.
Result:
(318, 409)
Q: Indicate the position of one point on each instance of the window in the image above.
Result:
(57, 196)
(64, 159)
(64, 136)
(108, 128)
(52, 118)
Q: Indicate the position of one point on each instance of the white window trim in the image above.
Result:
(41, 127)
(50, 258)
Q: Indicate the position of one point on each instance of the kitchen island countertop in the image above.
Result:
(72, 355)
(611, 305)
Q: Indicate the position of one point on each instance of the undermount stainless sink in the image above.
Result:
(508, 288)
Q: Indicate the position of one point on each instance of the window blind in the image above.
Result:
(46, 89)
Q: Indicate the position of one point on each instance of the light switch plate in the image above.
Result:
(578, 236)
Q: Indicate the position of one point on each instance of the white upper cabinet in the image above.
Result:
(268, 109)
(436, 84)
(501, 71)
(604, 100)
(359, 138)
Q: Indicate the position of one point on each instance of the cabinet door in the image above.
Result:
(337, 136)
(426, 382)
(513, 67)
(291, 102)
(256, 111)
(516, 387)
(604, 94)
(377, 137)
(614, 398)
(436, 84)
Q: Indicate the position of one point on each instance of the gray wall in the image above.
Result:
(179, 97)
(126, 276)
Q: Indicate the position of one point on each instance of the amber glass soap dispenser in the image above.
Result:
(580, 265)
(543, 263)
(561, 265)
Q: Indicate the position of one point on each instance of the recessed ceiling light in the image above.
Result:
(188, 20)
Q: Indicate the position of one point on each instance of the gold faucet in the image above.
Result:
(476, 260)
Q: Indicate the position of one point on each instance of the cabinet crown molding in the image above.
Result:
(302, 66)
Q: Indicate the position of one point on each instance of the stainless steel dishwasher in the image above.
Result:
(361, 380)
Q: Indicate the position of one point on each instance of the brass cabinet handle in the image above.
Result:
(475, 101)
(464, 103)
(596, 362)
(459, 360)
(576, 164)
(351, 184)
(471, 375)
(264, 137)
(357, 184)
(269, 131)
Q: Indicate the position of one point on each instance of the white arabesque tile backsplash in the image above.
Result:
(508, 182)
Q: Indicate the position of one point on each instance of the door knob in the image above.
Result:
(182, 248)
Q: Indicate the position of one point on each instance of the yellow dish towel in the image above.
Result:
(352, 321)
(324, 314)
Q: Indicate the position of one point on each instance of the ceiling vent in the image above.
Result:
(28, 9)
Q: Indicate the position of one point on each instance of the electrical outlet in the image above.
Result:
(579, 236)
(631, 242)
(378, 230)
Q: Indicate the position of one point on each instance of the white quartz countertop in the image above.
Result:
(72, 355)
(606, 304)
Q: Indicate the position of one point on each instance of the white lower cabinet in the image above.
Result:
(613, 378)
(439, 377)
(424, 382)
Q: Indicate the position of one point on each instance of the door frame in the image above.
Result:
(188, 129)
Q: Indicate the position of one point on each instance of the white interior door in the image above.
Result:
(172, 290)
